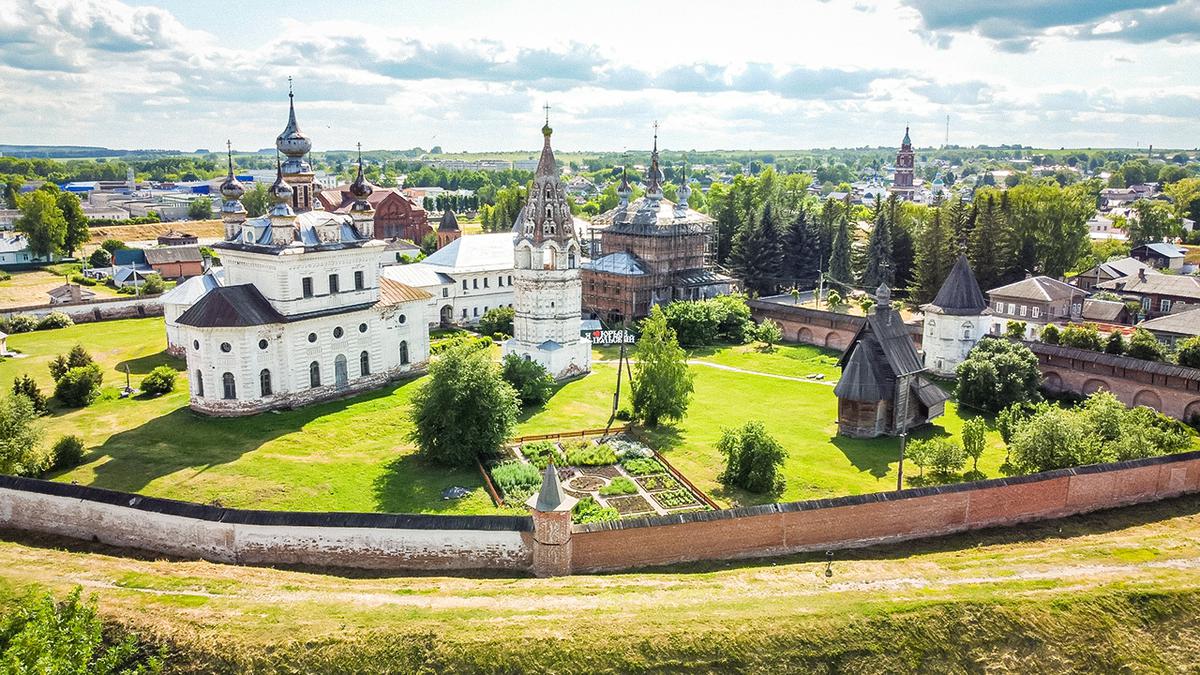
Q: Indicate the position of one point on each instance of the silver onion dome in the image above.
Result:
(292, 142)
(360, 189)
(231, 188)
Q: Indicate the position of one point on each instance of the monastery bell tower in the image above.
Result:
(547, 290)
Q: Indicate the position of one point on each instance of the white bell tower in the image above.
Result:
(547, 293)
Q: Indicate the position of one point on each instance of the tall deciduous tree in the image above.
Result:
(465, 410)
(662, 383)
(42, 223)
(20, 436)
(880, 265)
(77, 223)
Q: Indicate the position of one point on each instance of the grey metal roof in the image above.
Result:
(1040, 288)
(307, 229)
(1165, 250)
(1180, 323)
(551, 496)
(1102, 310)
(1159, 284)
(419, 275)
(231, 306)
(623, 263)
(699, 277)
(475, 253)
(654, 218)
(959, 294)
(191, 290)
(1124, 267)
(173, 254)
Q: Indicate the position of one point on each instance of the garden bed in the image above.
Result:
(630, 505)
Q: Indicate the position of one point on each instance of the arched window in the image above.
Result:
(199, 384)
(314, 374)
(570, 261)
(364, 364)
(264, 382)
(340, 374)
(403, 352)
(966, 330)
(230, 386)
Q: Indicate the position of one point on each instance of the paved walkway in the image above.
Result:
(735, 369)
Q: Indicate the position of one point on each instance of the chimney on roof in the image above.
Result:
(1028, 274)
(1142, 273)
(76, 292)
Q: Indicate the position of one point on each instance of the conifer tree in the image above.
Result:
(827, 225)
(758, 254)
(934, 258)
(880, 268)
(839, 256)
(801, 249)
(986, 251)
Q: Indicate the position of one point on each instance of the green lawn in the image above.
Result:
(353, 455)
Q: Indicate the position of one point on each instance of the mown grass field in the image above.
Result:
(354, 454)
(1114, 591)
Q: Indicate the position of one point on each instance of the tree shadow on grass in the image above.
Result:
(411, 484)
(144, 364)
(182, 439)
(873, 455)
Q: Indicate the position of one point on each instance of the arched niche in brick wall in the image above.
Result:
(1053, 382)
(1093, 385)
(1192, 411)
(834, 341)
(804, 335)
(1147, 398)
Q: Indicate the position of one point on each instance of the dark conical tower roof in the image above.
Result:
(449, 222)
(960, 294)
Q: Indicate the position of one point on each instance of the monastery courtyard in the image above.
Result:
(354, 454)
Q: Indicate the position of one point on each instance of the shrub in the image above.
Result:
(834, 299)
(752, 458)
(1143, 345)
(497, 320)
(1115, 344)
(79, 387)
(5, 276)
(516, 479)
(539, 453)
(66, 452)
(619, 486)
(697, 323)
(946, 457)
(22, 323)
(533, 384)
(465, 340)
(1014, 330)
(624, 414)
(20, 436)
(1189, 352)
(55, 320)
(100, 258)
(82, 280)
(590, 454)
(627, 450)
(588, 510)
(44, 636)
(1085, 336)
(917, 452)
(974, 440)
(769, 333)
(113, 245)
(27, 387)
(78, 357)
(1050, 334)
(159, 381)
(997, 374)
(463, 410)
(643, 467)
(153, 285)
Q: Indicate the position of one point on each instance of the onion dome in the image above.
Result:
(624, 190)
(231, 188)
(280, 193)
(906, 140)
(360, 189)
(292, 142)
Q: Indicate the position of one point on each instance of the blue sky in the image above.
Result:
(474, 75)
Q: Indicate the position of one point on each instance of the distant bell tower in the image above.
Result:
(548, 293)
(294, 145)
(902, 185)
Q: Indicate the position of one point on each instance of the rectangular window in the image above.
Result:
(333, 284)
(999, 306)
(359, 282)
(1164, 305)
(485, 284)
(445, 292)
(1012, 309)
(474, 283)
(499, 281)
(476, 311)
(306, 283)
(464, 312)
(464, 284)
(1024, 309)
(1037, 311)
(510, 280)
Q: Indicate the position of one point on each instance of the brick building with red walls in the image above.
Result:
(395, 214)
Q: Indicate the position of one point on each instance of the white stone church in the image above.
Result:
(303, 314)
(547, 291)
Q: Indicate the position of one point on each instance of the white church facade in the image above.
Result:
(547, 290)
(302, 313)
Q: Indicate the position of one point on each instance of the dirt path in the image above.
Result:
(743, 371)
